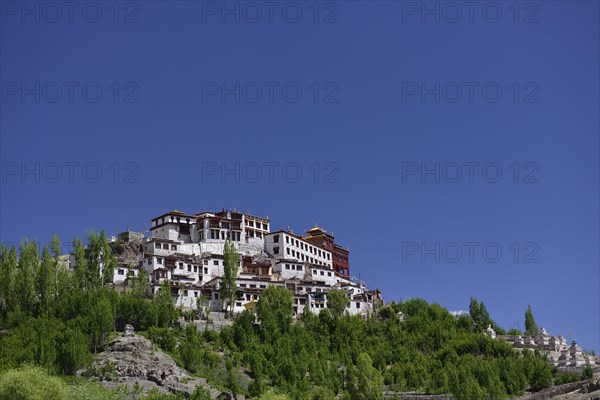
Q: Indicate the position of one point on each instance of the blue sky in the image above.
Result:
(123, 113)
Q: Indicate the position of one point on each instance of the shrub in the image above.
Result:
(93, 391)
(162, 337)
(31, 383)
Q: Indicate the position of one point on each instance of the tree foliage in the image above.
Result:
(56, 319)
(337, 302)
(230, 270)
(531, 327)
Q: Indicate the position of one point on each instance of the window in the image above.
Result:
(287, 266)
(276, 239)
(215, 262)
(252, 286)
(263, 286)
(287, 239)
(239, 304)
(195, 268)
(275, 250)
(265, 227)
(173, 247)
(242, 285)
(250, 223)
(206, 271)
(158, 245)
(216, 294)
(180, 265)
(185, 292)
(189, 268)
(195, 294)
(287, 250)
(293, 267)
(159, 260)
(205, 262)
(299, 267)
(322, 273)
(357, 304)
(314, 271)
(121, 272)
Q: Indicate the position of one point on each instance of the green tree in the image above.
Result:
(337, 302)
(165, 307)
(540, 374)
(72, 351)
(190, 349)
(108, 259)
(29, 261)
(80, 268)
(43, 281)
(463, 384)
(94, 256)
(8, 272)
(139, 284)
(274, 311)
(230, 270)
(101, 322)
(531, 327)
(367, 383)
(56, 251)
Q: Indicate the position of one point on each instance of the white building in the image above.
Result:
(286, 245)
(187, 250)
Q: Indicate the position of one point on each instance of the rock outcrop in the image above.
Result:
(131, 359)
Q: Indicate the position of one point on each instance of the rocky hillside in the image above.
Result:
(131, 360)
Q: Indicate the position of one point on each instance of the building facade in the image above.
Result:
(187, 251)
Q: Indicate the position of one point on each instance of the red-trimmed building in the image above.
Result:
(341, 256)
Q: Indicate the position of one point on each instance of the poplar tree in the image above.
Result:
(531, 327)
(107, 258)
(80, 268)
(8, 269)
(231, 261)
(43, 280)
(55, 249)
(25, 283)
